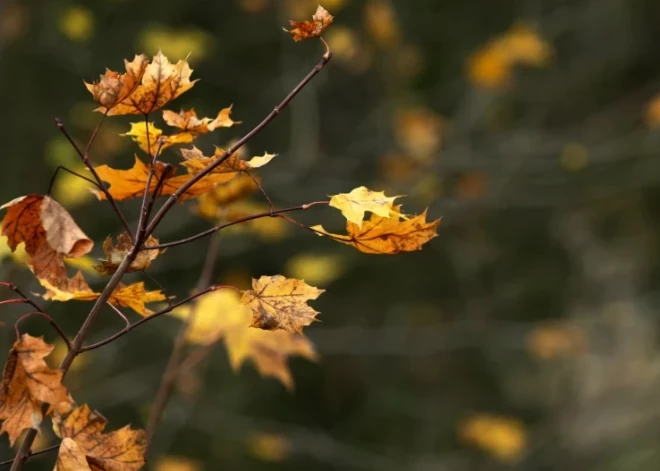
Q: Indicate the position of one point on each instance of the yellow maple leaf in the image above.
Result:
(311, 29)
(121, 450)
(188, 121)
(354, 204)
(388, 236)
(27, 381)
(160, 83)
(75, 288)
(135, 296)
(113, 87)
(125, 184)
(503, 437)
(278, 302)
(156, 141)
(195, 161)
(115, 254)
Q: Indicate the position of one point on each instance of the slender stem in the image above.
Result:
(172, 369)
(60, 167)
(270, 213)
(50, 320)
(40, 452)
(85, 158)
(147, 199)
(276, 111)
(138, 323)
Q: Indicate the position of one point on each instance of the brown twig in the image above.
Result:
(40, 452)
(85, 158)
(61, 167)
(172, 368)
(276, 111)
(270, 213)
(50, 320)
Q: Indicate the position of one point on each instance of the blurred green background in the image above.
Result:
(523, 337)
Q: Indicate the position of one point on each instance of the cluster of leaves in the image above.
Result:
(264, 323)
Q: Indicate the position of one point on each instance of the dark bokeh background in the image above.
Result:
(523, 337)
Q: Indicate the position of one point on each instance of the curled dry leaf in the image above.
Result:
(195, 161)
(154, 141)
(160, 83)
(48, 231)
(389, 236)
(133, 296)
(354, 204)
(277, 302)
(121, 450)
(311, 29)
(125, 184)
(115, 254)
(221, 315)
(188, 121)
(27, 381)
(71, 457)
(113, 87)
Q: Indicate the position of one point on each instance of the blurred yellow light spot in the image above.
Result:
(343, 42)
(574, 157)
(471, 185)
(382, 23)
(253, 6)
(19, 255)
(71, 190)
(176, 463)
(176, 44)
(84, 263)
(489, 68)
(418, 132)
(269, 446)
(398, 167)
(652, 116)
(555, 340)
(77, 24)
(503, 437)
(58, 151)
(316, 269)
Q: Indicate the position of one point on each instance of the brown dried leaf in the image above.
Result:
(27, 381)
(311, 29)
(195, 161)
(71, 457)
(121, 450)
(161, 83)
(75, 288)
(188, 121)
(115, 254)
(125, 184)
(48, 231)
(381, 235)
(277, 302)
(113, 87)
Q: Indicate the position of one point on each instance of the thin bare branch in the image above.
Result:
(60, 167)
(40, 452)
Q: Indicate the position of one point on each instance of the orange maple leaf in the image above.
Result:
(125, 184)
(160, 83)
(195, 161)
(48, 231)
(113, 87)
(115, 254)
(188, 121)
(277, 302)
(27, 381)
(311, 29)
(389, 236)
(82, 437)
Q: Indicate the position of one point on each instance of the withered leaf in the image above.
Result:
(389, 236)
(48, 231)
(115, 254)
(121, 450)
(311, 29)
(195, 161)
(71, 457)
(277, 302)
(188, 121)
(125, 184)
(68, 289)
(27, 381)
(113, 87)
(161, 83)
(354, 204)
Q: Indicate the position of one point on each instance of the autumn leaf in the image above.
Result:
(381, 235)
(113, 87)
(125, 184)
(212, 205)
(160, 83)
(277, 302)
(221, 315)
(354, 204)
(188, 121)
(503, 437)
(156, 141)
(133, 296)
(115, 254)
(195, 161)
(71, 457)
(27, 381)
(311, 29)
(48, 231)
(121, 450)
